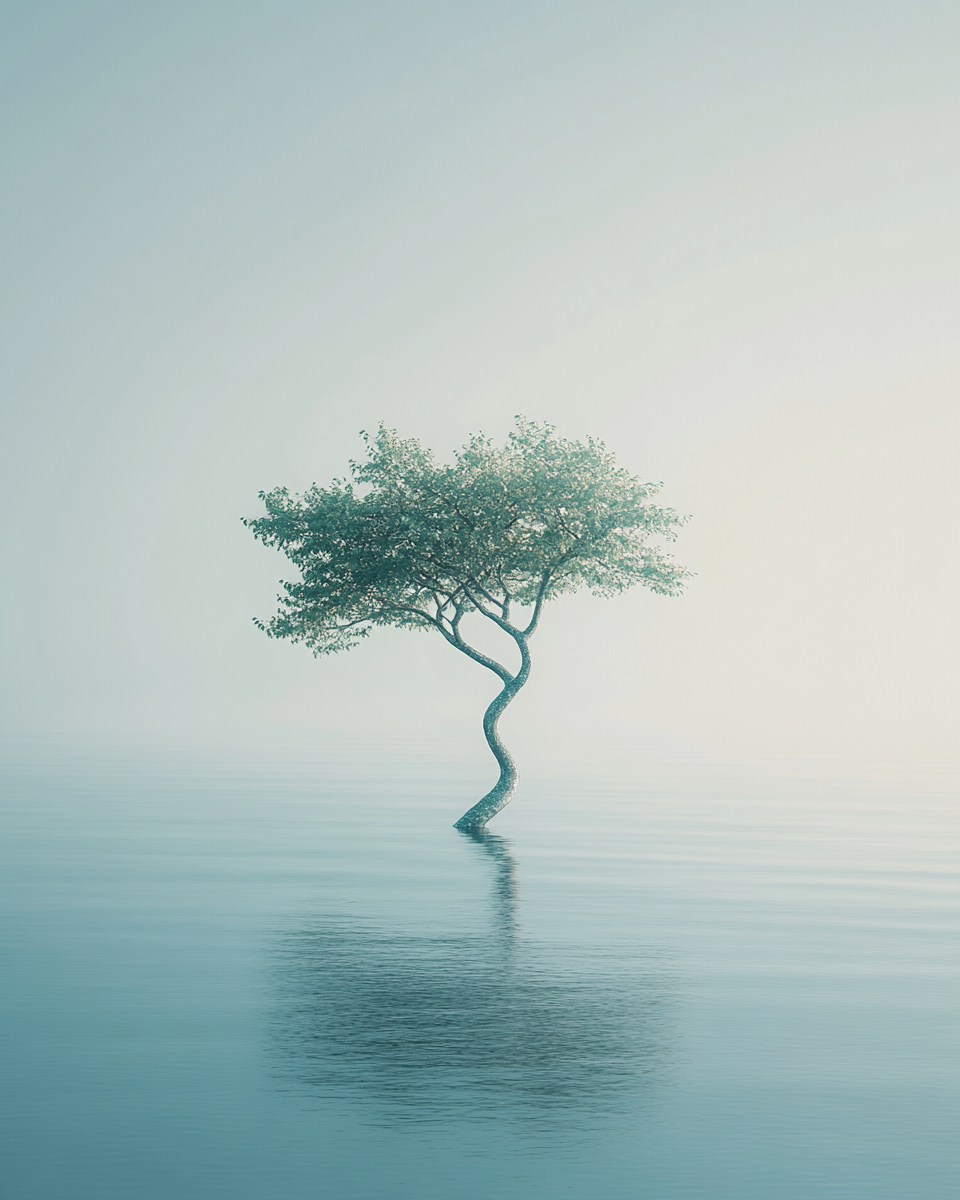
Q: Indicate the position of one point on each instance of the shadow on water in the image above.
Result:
(461, 1027)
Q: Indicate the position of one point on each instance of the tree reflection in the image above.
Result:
(506, 888)
(490, 1024)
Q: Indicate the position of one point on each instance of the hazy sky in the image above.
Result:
(721, 236)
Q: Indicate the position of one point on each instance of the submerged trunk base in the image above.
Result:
(487, 808)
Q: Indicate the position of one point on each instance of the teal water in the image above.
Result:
(733, 981)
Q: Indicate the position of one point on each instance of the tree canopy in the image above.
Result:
(417, 544)
(413, 543)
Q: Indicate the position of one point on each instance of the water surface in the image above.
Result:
(712, 980)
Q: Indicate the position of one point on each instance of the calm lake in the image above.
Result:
(296, 980)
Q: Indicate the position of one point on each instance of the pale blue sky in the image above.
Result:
(721, 236)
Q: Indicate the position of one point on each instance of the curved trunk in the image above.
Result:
(502, 792)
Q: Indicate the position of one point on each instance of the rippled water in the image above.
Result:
(713, 981)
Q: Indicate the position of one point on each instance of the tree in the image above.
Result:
(418, 545)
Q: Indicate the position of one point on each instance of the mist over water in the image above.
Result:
(291, 976)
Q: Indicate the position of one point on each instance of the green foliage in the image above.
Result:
(419, 545)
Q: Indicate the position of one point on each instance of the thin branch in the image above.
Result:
(566, 528)
(417, 612)
(451, 571)
(349, 624)
(485, 611)
(493, 600)
(538, 605)
(446, 500)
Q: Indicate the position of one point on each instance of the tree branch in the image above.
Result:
(538, 605)
(455, 639)
(483, 591)
(485, 611)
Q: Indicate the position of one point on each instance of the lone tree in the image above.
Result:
(420, 546)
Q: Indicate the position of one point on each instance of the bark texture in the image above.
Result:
(502, 792)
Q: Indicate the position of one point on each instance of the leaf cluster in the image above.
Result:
(416, 544)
